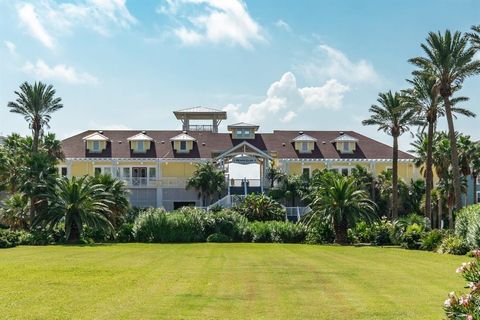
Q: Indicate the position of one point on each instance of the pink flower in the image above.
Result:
(447, 303)
(469, 317)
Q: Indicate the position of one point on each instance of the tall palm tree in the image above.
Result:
(76, 202)
(342, 202)
(394, 118)
(207, 180)
(36, 103)
(449, 60)
(425, 100)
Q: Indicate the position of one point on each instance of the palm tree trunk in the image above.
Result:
(454, 157)
(395, 179)
(341, 231)
(440, 211)
(450, 216)
(74, 234)
(429, 174)
(474, 189)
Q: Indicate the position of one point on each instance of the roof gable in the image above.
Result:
(140, 137)
(183, 137)
(96, 136)
(304, 137)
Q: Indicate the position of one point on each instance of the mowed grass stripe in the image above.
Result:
(219, 281)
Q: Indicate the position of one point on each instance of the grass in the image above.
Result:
(224, 281)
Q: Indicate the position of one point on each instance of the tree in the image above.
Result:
(475, 37)
(425, 100)
(341, 202)
(36, 104)
(118, 192)
(14, 213)
(76, 202)
(447, 190)
(207, 180)
(274, 175)
(392, 117)
(449, 60)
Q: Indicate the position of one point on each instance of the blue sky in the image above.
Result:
(306, 65)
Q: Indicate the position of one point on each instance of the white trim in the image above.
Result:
(309, 170)
(242, 144)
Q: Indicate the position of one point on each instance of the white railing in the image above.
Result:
(165, 182)
(227, 202)
(241, 182)
(200, 127)
(297, 212)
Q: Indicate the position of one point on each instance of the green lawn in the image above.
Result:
(224, 281)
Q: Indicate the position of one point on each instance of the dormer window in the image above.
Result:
(304, 143)
(345, 143)
(140, 143)
(243, 130)
(96, 142)
(183, 143)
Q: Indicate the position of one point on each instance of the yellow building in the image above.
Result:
(156, 164)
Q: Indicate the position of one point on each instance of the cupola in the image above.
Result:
(243, 130)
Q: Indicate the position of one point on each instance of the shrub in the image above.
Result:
(260, 208)
(467, 225)
(363, 232)
(454, 245)
(218, 237)
(8, 238)
(277, 231)
(320, 232)
(96, 235)
(125, 233)
(411, 237)
(466, 306)
(378, 233)
(431, 240)
(227, 222)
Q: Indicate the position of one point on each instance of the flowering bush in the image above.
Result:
(466, 306)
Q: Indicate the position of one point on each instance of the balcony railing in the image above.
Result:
(200, 127)
(165, 182)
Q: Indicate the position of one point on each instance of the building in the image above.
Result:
(156, 164)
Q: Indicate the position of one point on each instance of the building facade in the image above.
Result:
(156, 164)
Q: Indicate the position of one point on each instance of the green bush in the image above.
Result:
(320, 232)
(218, 237)
(411, 237)
(259, 207)
(467, 225)
(8, 238)
(378, 233)
(96, 235)
(431, 240)
(454, 245)
(125, 233)
(276, 231)
(227, 222)
(363, 232)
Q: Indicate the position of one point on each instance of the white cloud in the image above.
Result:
(60, 72)
(283, 25)
(214, 21)
(332, 63)
(29, 18)
(11, 47)
(98, 15)
(285, 99)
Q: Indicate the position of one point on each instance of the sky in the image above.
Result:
(284, 65)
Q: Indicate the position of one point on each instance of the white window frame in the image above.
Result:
(340, 169)
(246, 133)
(346, 147)
(239, 133)
(154, 177)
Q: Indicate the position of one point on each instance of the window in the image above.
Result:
(96, 146)
(346, 147)
(306, 172)
(304, 146)
(152, 173)
(344, 172)
(246, 133)
(63, 171)
(478, 196)
(183, 145)
(97, 171)
(239, 133)
(107, 170)
(140, 147)
(126, 172)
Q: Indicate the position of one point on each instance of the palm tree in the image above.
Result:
(475, 37)
(425, 100)
(447, 190)
(342, 202)
(36, 104)
(274, 175)
(119, 194)
(207, 180)
(392, 117)
(76, 202)
(449, 60)
(15, 211)
(475, 170)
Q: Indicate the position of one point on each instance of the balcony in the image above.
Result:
(165, 182)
